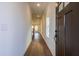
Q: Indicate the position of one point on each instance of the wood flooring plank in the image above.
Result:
(38, 46)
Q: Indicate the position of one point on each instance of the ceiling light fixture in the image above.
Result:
(38, 4)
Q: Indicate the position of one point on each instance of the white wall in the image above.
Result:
(50, 12)
(15, 28)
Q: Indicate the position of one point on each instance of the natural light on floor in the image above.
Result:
(36, 36)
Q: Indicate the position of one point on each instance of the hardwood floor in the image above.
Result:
(38, 47)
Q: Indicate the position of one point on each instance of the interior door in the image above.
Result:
(67, 25)
(57, 37)
(72, 30)
(68, 31)
(60, 42)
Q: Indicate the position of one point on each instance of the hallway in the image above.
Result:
(17, 21)
(38, 47)
(54, 26)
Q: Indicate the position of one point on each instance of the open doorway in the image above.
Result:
(36, 28)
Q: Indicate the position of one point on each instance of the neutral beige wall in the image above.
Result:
(50, 12)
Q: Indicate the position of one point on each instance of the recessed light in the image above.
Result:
(38, 4)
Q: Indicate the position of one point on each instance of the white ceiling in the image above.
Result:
(38, 10)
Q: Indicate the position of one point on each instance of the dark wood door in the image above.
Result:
(57, 36)
(72, 30)
(61, 36)
(68, 40)
(60, 47)
(67, 26)
(75, 29)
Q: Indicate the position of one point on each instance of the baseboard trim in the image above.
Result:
(27, 48)
(46, 43)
